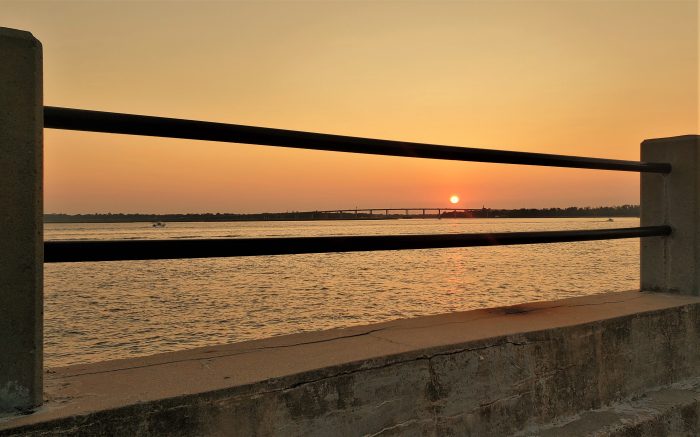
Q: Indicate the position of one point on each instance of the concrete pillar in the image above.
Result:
(672, 264)
(21, 221)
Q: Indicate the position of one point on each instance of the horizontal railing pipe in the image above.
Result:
(126, 250)
(116, 123)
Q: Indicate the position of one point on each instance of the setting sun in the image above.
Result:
(454, 199)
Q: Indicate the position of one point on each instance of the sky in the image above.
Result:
(587, 78)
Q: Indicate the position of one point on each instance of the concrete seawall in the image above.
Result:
(609, 363)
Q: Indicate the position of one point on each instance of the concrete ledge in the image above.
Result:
(485, 372)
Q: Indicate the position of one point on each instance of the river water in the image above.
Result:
(110, 310)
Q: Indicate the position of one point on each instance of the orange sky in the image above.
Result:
(589, 78)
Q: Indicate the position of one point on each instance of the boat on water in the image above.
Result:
(159, 225)
(610, 220)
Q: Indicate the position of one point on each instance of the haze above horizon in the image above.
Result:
(576, 78)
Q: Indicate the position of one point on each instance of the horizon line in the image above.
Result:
(446, 208)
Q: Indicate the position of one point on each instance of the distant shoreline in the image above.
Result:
(571, 212)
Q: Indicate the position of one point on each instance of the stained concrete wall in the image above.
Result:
(499, 371)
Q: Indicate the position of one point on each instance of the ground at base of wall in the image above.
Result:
(666, 411)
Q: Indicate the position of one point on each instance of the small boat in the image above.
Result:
(610, 220)
(159, 225)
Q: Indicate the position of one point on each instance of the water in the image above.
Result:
(110, 310)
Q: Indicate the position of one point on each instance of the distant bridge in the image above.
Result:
(421, 211)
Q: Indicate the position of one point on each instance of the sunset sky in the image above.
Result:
(590, 78)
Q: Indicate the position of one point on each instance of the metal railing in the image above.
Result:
(95, 121)
(116, 123)
(121, 250)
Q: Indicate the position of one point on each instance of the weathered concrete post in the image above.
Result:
(672, 264)
(21, 222)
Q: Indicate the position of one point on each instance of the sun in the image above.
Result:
(454, 199)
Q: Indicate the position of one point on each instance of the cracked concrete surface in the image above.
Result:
(484, 372)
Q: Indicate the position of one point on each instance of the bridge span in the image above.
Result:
(417, 211)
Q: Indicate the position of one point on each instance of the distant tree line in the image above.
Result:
(601, 211)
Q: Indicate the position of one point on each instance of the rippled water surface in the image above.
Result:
(102, 311)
